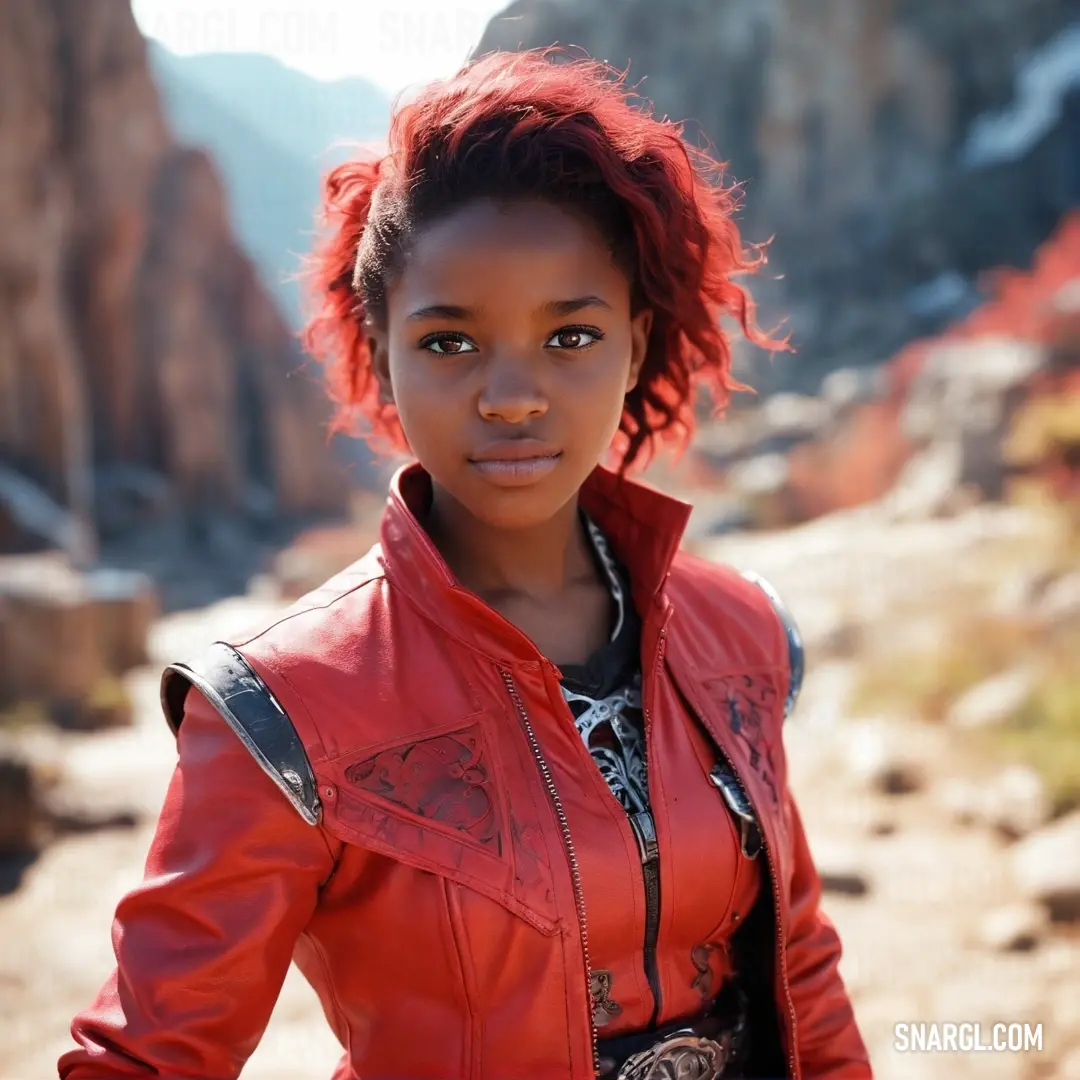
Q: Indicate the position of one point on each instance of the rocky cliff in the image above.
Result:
(896, 148)
(145, 375)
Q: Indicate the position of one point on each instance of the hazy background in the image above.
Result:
(908, 478)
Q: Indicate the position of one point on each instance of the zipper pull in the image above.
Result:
(645, 833)
(722, 778)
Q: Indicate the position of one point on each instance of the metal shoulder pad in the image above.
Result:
(796, 655)
(247, 705)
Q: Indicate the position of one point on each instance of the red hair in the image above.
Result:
(515, 124)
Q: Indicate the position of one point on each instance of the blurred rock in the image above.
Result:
(846, 387)
(1017, 802)
(1017, 594)
(1058, 960)
(855, 462)
(1042, 450)
(49, 628)
(37, 800)
(20, 816)
(881, 826)
(927, 485)
(319, 554)
(129, 497)
(1069, 1068)
(963, 400)
(755, 439)
(880, 759)
(994, 701)
(761, 484)
(838, 867)
(732, 514)
(70, 810)
(1014, 803)
(1059, 605)
(108, 705)
(1065, 1011)
(1013, 928)
(963, 386)
(795, 416)
(127, 605)
(963, 800)
(1047, 867)
(66, 636)
(841, 639)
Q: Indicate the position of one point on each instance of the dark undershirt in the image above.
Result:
(604, 693)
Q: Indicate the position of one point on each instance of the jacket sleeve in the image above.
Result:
(204, 943)
(830, 1045)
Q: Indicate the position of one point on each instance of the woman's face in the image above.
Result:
(508, 349)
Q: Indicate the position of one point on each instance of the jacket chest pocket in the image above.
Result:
(742, 714)
(440, 802)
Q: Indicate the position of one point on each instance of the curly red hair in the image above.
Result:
(536, 124)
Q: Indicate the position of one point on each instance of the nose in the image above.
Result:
(511, 393)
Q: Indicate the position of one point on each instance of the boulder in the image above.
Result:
(1012, 928)
(66, 637)
(994, 701)
(20, 813)
(1047, 867)
(882, 760)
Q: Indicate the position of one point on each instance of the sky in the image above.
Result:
(393, 43)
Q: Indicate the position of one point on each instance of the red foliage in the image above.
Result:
(858, 465)
(1022, 303)
(862, 461)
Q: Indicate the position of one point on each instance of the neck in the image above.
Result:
(539, 562)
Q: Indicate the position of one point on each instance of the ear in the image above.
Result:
(379, 347)
(640, 328)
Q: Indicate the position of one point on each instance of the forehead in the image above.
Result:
(528, 247)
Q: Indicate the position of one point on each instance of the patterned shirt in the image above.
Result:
(604, 693)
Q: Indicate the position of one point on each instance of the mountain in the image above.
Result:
(151, 404)
(896, 150)
(273, 132)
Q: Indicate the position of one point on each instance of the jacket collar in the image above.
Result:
(643, 526)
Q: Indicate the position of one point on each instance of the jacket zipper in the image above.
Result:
(571, 855)
(645, 833)
(643, 825)
(778, 921)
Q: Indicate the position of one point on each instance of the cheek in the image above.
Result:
(426, 404)
(599, 385)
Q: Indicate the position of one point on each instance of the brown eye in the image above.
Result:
(448, 345)
(574, 337)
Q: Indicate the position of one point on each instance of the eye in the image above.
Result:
(574, 337)
(448, 344)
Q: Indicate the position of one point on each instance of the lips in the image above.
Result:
(514, 450)
(515, 463)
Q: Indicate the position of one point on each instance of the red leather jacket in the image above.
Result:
(467, 899)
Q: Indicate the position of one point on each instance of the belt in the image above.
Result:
(705, 1049)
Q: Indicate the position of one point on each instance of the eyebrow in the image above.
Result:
(551, 308)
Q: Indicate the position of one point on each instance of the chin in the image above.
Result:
(523, 508)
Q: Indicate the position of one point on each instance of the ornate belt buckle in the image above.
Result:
(680, 1056)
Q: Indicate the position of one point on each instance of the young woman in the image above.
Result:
(511, 790)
